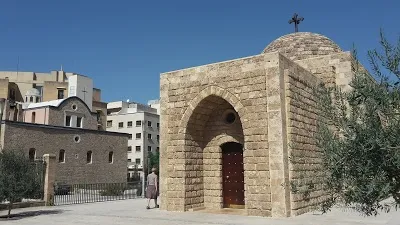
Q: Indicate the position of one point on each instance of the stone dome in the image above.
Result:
(32, 92)
(303, 45)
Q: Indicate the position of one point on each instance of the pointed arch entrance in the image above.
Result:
(213, 128)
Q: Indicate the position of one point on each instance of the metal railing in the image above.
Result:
(66, 194)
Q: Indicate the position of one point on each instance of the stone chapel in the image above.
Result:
(229, 128)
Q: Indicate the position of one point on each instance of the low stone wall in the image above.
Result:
(18, 205)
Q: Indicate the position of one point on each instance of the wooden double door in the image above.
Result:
(232, 175)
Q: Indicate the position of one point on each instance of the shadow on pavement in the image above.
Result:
(22, 215)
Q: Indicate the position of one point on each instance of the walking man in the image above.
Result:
(152, 188)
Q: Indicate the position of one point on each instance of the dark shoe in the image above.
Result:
(147, 207)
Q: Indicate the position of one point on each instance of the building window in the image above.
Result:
(120, 124)
(110, 157)
(32, 154)
(109, 123)
(79, 122)
(37, 99)
(158, 137)
(149, 148)
(31, 99)
(138, 135)
(229, 116)
(77, 139)
(129, 160)
(68, 121)
(98, 115)
(158, 125)
(129, 123)
(33, 117)
(149, 123)
(60, 94)
(138, 123)
(61, 156)
(138, 148)
(158, 149)
(129, 148)
(137, 161)
(130, 137)
(149, 136)
(89, 156)
(26, 98)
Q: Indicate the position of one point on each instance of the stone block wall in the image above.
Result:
(242, 83)
(57, 114)
(277, 137)
(18, 136)
(332, 69)
(304, 157)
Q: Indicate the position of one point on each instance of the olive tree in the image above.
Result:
(19, 178)
(359, 134)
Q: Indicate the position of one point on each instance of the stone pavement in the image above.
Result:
(134, 212)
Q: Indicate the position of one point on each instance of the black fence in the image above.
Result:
(65, 194)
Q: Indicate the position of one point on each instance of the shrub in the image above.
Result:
(113, 190)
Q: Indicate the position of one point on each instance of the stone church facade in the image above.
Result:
(237, 134)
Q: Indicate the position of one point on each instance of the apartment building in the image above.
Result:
(142, 122)
(34, 87)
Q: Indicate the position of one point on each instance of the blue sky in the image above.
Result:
(124, 45)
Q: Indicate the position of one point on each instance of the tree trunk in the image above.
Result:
(9, 208)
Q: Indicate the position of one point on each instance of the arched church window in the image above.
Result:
(33, 117)
(31, 99)
(32, 154)
(111, 157)
(89, 156)
(61, 156)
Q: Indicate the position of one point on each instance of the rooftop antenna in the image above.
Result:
(61, 67)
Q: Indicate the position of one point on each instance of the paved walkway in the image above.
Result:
(130, 212)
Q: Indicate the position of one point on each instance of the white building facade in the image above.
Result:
(155, 104)
(143, 123)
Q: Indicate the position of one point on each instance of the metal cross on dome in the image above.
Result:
(84, 93)
(296, 20)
